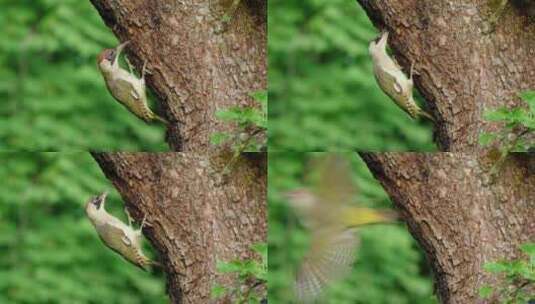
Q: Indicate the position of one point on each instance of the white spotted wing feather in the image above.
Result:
(330, 258)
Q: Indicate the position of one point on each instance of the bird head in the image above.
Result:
(301, 199)
(379, 42)
(96, 203)
(107, 56)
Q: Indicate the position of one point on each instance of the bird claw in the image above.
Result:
(130, 66)
(128, 216)
(413, 72)
(145, 70)
(145, 223)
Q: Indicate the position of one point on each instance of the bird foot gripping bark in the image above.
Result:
(144, 222)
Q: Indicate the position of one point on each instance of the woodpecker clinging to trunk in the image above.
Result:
(115, 234)
(326, 211)
(129, 90)
(392, 80)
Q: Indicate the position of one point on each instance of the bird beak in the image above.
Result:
(121, 46)
(110, 54)
(383, 38)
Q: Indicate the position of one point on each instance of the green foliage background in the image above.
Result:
(53, 97)
(390, 268)
(49, 251)
(323, 95)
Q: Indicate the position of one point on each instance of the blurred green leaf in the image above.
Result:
(261, 249)
(249, 121)
(518, 122)
(514, 278)
(247, 271)
(495, 267)
(529, 249)
(486, 138)
(226, 267)
(219, 138)
(218, 291)
(485, 292)
(529, 98)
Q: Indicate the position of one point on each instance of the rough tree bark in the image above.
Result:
(460, 213)
(198, 215)
(463, 70)
(199, 65)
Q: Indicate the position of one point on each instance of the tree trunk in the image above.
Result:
(461, 214)
(464, 70)
(199, 64)
(198, 215)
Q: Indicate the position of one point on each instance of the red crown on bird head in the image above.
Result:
(108, 54)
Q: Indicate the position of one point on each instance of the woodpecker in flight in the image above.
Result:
(325, 209)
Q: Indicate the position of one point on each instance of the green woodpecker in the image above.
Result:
(124, 86)
(115, 234)
(332, 221)
(392, 80)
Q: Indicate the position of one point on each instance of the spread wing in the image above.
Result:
(334, 184)
(333, 246)
(330, 258)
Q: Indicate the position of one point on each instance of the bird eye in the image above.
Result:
(97, 202)
(110, 55)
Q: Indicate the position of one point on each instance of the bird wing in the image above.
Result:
(336, 180)
(330, 258)
(384, 78)
(128, 84)
(109, 235)
(331, 183)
